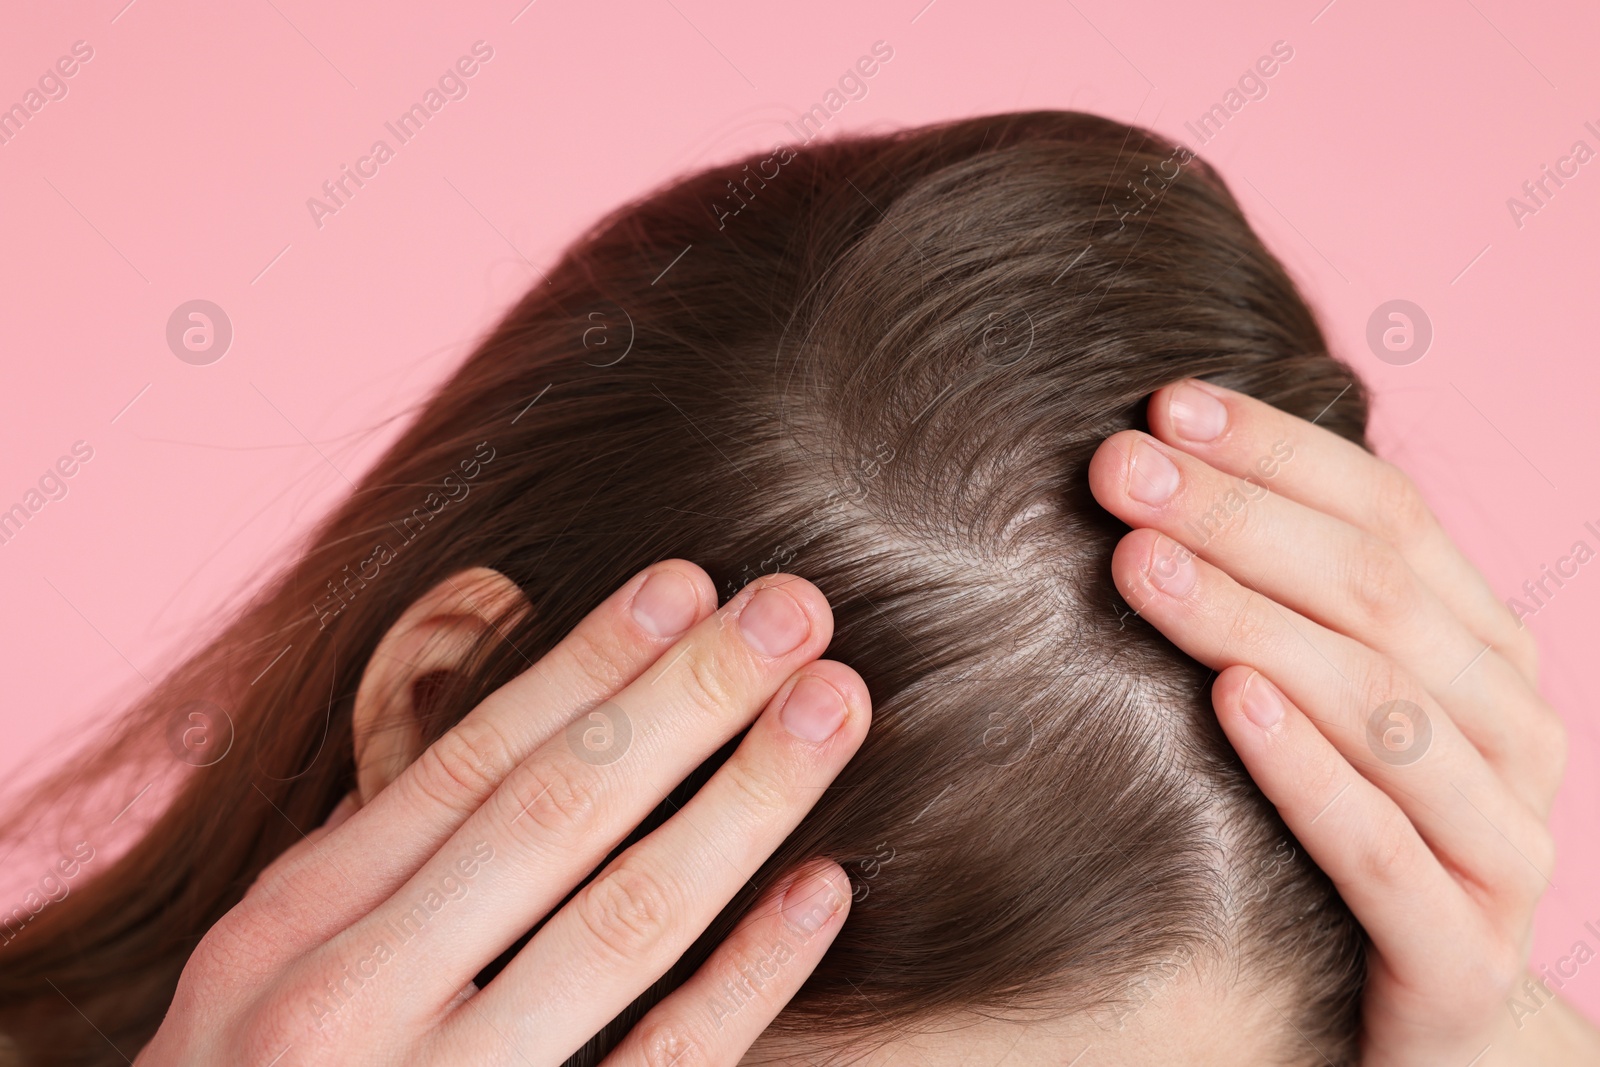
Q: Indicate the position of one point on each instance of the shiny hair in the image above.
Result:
(881, 363)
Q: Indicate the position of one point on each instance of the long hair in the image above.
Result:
(880, 362)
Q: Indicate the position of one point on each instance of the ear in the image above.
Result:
(435, 634)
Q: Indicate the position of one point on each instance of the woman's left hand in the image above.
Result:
(1378, 692)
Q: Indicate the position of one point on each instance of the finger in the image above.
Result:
(1416, 914)
(716, 1015)
(624, 929)
(411, 820)
(1376, 715)
(305, 853)
(1346, 579)
(1329, 473)
(555, 816)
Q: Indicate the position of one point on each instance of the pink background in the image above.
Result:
(179, 164)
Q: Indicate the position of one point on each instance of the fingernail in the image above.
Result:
(773, 623)
(814, 710)
(1171, 567)
(1196, 414)
(1261, 702)
(1152, 477)
(810, 902)
(665, 604)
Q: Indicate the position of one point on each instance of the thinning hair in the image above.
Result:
(886, 372)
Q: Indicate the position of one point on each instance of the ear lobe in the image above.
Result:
(434, 635)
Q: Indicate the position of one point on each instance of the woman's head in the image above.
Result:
(885, 372)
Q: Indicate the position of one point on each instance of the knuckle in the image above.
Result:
(1497, 969)
(1483, 966)
(1226, 512)
(552, 804)
(1382, 680)
(595, 660)
(1522, 860)
(1256, 626)
(1324, 781)
(461, 768)
(1520, 647)
(626, 911)
(1381, 583)
(250, 949)
(1546, 737)
(234, 946)
(276, 882)
(287, 894)
(1399, 514)
(758, 793)
(275, 1023)
(1387, 858)
(706, 683)
(753, 961)
(669, 1043)
(1541, 851)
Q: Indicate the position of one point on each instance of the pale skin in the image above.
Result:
(1323, 598)
(506, 783)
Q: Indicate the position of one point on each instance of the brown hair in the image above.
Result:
(885, 371)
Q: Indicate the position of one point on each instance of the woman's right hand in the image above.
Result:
(1378, 693)
(360, 944)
